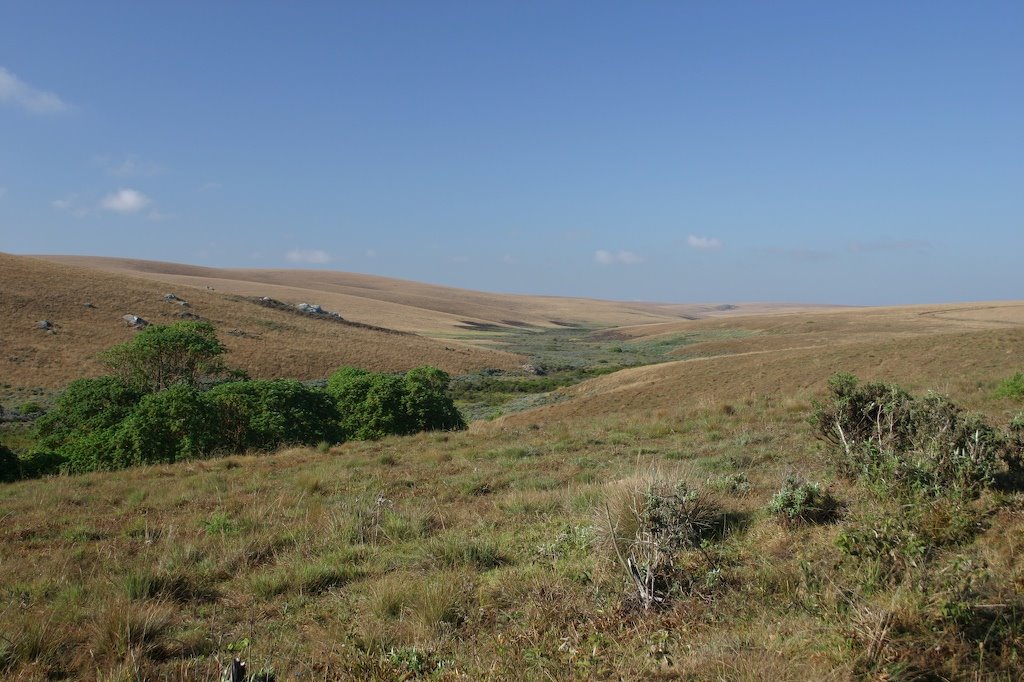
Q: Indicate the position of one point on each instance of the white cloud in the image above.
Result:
(315, 256)
(125, 201)
(602, 257)
(707, 243)
(15, 91)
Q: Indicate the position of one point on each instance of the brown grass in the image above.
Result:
(275, 344)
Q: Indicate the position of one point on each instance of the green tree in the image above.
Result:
(162, 355)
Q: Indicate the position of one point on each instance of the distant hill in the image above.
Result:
(413, 306)
(85, 308)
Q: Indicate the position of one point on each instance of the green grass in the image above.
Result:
(1011, 387)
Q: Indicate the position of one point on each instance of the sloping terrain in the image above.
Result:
(959, 349)
(486, 554)
(413, 306)
(85, 308)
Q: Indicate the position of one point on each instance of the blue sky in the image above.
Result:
(863, 153)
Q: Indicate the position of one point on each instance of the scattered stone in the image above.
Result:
(171, 297)
(310, 308)
(241, 333)
(135, 321)
(45, 325)
(534, 370)
(88, 304)
(188, 315)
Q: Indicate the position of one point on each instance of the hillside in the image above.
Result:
(957, 349)
(495, 553)
(263, 341)
(414, 306)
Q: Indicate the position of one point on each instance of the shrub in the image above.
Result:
(375, 405)
(882, 434)
(647, 526)
(262, 415)
(427, 404)
(175, 424)
(30, 407)
(800, 501)
(10, 465)
(78, 434)
(162, 355)
(1011, 387)
(86, 406)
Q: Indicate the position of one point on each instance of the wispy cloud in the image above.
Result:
(15, 91)
(71, 204)
(705, 243)
(128, 166)
(883, 246)
(125, 201)
(310, 256)
(602, 257)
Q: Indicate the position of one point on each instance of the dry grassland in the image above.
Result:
(263, 342)
(477, 556)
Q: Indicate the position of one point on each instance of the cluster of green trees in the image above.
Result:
(169, 397)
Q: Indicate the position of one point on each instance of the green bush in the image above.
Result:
(30, 407)
(800, 501)
(10, 465)
(1012, 387)
(427, 403)
(78, 433)
(375, 405)
(262, 415)
(882, 434)
(175, 424)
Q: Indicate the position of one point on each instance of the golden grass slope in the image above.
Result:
(958, 349)
(264, 342)
(412, 306)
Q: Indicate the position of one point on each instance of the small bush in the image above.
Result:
(882, 434)
(30, 407)
(800, 501)
(1011, 387)
(647, 525)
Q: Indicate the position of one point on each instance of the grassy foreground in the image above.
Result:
(484, 554)
(473, 556)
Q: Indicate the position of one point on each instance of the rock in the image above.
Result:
(310, 308)
(135, 321)
(171, 297)
(45, 325)
(88, 304)
(534, 370)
